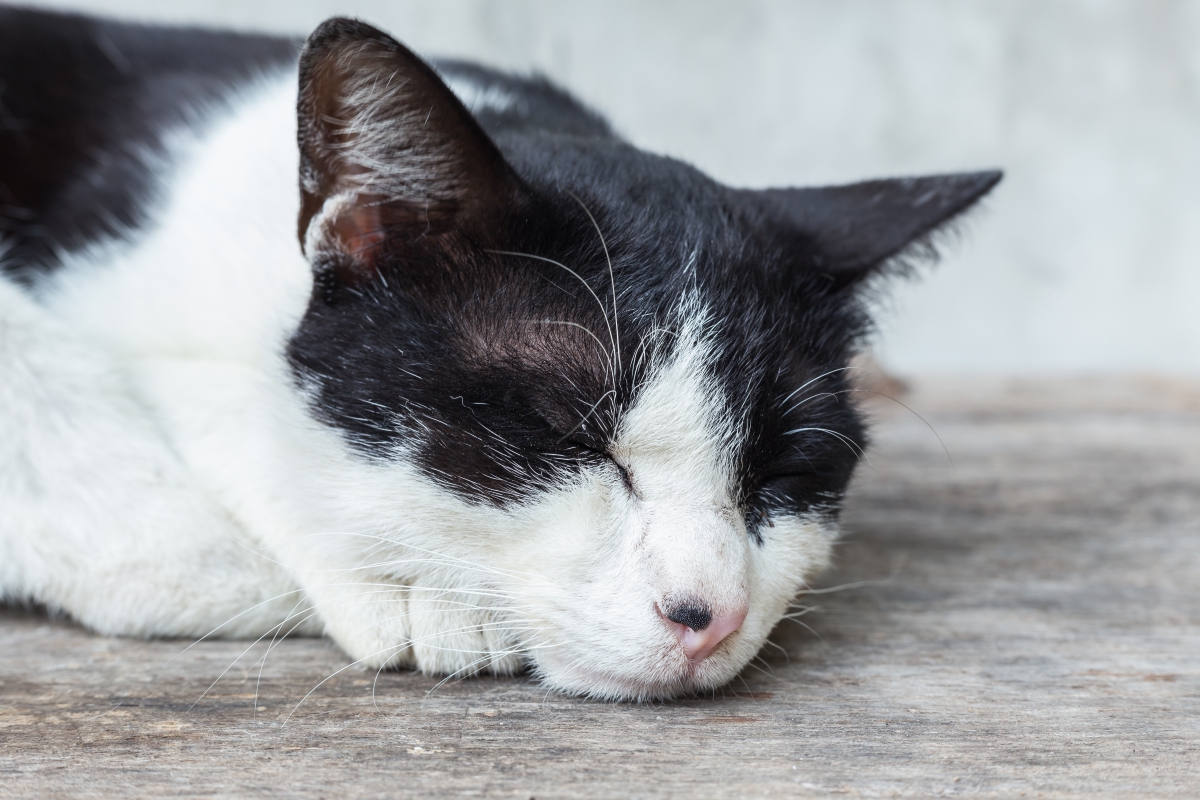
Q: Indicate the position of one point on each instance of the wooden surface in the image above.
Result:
(1028, 624)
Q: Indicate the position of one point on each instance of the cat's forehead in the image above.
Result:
(661, 199)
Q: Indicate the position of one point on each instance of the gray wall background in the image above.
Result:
(1085, 259)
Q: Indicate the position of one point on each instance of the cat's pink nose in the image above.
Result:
(699, 630)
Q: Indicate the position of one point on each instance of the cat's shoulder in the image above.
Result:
(84, 106)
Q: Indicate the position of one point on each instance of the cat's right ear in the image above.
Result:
(388, 154)
(852, 232)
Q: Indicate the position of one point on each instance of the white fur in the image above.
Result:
(161, 474)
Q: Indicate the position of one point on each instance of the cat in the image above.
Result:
(320, 338)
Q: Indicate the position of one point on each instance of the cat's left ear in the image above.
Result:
(852, 231)
(386, 151)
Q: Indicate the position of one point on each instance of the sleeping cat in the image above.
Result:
(423, 357)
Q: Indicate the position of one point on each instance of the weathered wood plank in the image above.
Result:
(1030, 626)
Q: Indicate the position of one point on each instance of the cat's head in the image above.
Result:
(613, 391)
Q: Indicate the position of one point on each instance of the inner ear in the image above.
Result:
(386, 149)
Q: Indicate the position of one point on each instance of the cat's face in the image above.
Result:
(615, 392)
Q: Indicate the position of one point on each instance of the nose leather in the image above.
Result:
(698, 644)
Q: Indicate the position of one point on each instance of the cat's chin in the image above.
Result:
(601, 686)
(677, 677)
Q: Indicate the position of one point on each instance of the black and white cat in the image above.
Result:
(513, 394)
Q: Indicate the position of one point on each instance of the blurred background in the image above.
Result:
(1086, 259)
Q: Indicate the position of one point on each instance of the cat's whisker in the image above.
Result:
(855, 585)
(275, 640)
(459, 675)
(409, 562)
(235, 617)
(520, 649)
(794, 615)
(765, 669)
(655, 332)
(389, 594)
(806, 626)
(398, 647)
(486, 656)
(408, 545)
(416, 613)
(769, 643)
(487, 590)
(225, 671)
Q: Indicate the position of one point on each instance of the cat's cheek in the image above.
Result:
(794, 551)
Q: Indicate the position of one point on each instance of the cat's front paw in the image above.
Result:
(438, 631)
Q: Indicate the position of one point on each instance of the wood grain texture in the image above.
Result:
(1025, 622)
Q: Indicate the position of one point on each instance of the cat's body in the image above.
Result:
(524, 398)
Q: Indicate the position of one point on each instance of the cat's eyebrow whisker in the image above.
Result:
(898, 402)
(853, 445)
(918, 416)
(810, 398)
(611, 277)
(583, 421)
(819, 377)
(656, 331)
(603, 308)
(607, 356)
